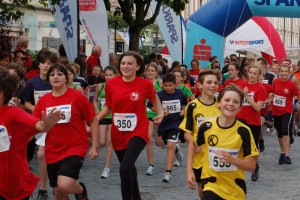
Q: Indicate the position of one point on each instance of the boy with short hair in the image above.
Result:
(197, 111)
(173, 102)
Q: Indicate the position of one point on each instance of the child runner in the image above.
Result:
(233, 71)
(71, 77)
(34, 90)
(173, 103)
(198, 110)
(228, 149)
(125, 98)
(255, 95)
(151, 74)
(16, 129)
(67, 142)
(282, 110)
(105, 124)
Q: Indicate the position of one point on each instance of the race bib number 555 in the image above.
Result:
(215, 162)
(125, 121)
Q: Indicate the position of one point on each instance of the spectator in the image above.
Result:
(22, 45)
(4, 57)
(94, 59)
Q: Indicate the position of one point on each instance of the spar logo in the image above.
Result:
(134, 96)
(246, 42)
(202, 51)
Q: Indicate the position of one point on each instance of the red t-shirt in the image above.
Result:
(195, 74)
(92, 61)
(69, 136)
(269, 89)
(239, 82)
(258, 93)
(127, 101)
(283, 96)
(16, 180)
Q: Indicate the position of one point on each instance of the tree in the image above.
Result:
(135, 12)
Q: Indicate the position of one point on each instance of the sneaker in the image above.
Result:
(177, 163)
(287, 160)
(150, 171)
(84, 195)
(255, 174)
(261, 145)
(281, 158)
(163, 146)
(167, 177)
(42, 195)
(268, 130)
(178, 154)
(105, 173)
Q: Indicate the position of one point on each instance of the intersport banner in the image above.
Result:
(65, 17)
(170, 26)
(93, 17)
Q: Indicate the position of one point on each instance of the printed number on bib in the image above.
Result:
(39, 94)
(66, 111)
(125, 121)
(246, 102)
(279, 101)
(215, 162)
(172, 106)
(4, 139)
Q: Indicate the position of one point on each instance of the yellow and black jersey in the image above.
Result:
(226, 180)
(195, 113)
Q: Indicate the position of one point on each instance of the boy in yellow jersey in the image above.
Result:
(228, 149)
(198, 110)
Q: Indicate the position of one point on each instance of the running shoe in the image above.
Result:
(287, 160)
(178, 154)
(272, 131)
(177, 163)
(268, 130)
(150, 171)
(261, 144)
(167, 177)
(42, 195)
(84, 195)
(163, 146)
(281, 158)
(105, 173)
(255, 174)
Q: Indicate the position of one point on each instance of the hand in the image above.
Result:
(245, 91)
(191, 180)
(158, 141)
(298, 106)
(198, 149)
(158, 119)
(166, 112)
(16, 101)
(94, 153)
(225, 157)
(52, 118)
(181, 113)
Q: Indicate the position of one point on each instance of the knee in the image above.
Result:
(41, 155)
(171, 146)
(125, 170)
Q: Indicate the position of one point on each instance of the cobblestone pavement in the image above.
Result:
(275, 181)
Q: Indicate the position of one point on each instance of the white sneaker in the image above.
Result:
(178, 155)
(105, 173)
(267, 130)
(167, 177)
(177, 163)
(150, 171)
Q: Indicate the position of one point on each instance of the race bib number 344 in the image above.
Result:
(125, 121)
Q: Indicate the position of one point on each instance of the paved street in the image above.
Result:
(275, 182)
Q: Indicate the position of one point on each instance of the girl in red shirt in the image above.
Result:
(17, 127)
(282, 110)
(255, 96)
(125, 98)
(233, 70)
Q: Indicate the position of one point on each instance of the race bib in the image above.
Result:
(246, 102)
(4, 139)
(279, 101)
(172, 106)
(215, 162)
(66, 111)
(39, 94)
(263, 105)
(265, 81)
(125, 121)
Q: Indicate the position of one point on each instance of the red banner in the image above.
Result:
(87, 5)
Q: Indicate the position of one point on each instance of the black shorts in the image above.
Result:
(210, 195)
(181, 136)
(269, 117)
(105, 122)
(69, 166)
(198, 173)
(255, 129)
(169, 135)
(150, 119)
(284, 124)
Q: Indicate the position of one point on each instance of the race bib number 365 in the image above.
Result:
(215, 162)
(125, 121)
(4, 139)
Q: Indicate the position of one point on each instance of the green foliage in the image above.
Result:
(115, 21)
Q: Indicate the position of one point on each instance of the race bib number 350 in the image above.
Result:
(125, 121)
(4, 139)
(215, 162)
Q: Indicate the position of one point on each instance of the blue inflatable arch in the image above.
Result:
(209, 26)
